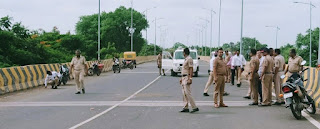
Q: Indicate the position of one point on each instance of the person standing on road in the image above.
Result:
(186, 81)
(159, 62)
(294, 63)
(253, 76)
(210, 79)
(238, 62)
(261, 58)
(279, 64)
(219, 71)
(52, 79)
(266, 78)
(78, 63)
(227, 59)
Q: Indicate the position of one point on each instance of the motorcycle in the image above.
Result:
(64, 71)
(296, 96)
(127, 64)
(116, 66)
(95, 69)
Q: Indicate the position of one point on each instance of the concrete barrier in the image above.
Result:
(25, 77)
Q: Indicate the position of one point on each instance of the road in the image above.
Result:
(139, 99)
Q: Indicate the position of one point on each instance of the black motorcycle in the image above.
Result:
(127, 64)
(94, 70)
(116, 66)
(296, 96)
(64, 71)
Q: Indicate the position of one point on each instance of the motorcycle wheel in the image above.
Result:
(90, 72)
(98, 73)
(312, 107)
(119, 69)
(59, 83)
(131, 66)
(64, 82)
(294, 106)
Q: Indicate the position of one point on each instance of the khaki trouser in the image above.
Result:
(78, 77)
(277, 86)
(254, 87)
(267, 89)
(228, 76)
(186, 91)
(209, 83)
(219, 89)
(249, 91)
(239, 71)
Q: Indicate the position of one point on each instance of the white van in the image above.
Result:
(175, 63)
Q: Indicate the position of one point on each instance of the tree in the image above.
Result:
(5, 23)
(303, 43)
(285, 51)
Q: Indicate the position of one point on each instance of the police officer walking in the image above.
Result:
(219, 71)
(78, 63)
(186, 81)
(266, 78)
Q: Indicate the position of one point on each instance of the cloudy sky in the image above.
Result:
(181, 18)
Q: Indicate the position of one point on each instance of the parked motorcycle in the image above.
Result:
(64, 71)
(296, 96)
(95, 69)
(116, 66)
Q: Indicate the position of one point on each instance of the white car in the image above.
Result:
(175, 64)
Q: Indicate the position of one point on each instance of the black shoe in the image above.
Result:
(247, 97)
(253, 104)
(164, 74)
(276, 103)
(225, 94)
(238, 85)
(206, 94)
(185, 110)
(78, 92)
(194, 110)
(83, 91)
(283, 103)
(262, 105)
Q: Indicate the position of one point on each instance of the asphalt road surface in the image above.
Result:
(140, 99)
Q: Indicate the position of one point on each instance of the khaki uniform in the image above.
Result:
(220, 71)
(278, 63)
(228, 76)
(268, 64)
(254, 78)
(210, 81)
(186, 90)
(159, 63)
(79, 65)
(294, 65)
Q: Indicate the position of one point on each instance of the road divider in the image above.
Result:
(25, 77)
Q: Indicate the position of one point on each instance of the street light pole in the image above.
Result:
(310, 31)
(131, 25)
(241, 28)
(155, 32)
(147, 20)
(211, 31)
(219, 24)
(99, 32)
(277, 29)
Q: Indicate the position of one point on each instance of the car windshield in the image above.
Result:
(179, 55)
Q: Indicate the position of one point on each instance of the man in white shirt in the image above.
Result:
(210, 80)
(261, 58)
(238, 62)
(52, 79)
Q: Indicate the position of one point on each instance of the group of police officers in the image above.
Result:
(265, 68)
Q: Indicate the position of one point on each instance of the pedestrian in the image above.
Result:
(186, 81)
(210, 79)
(253, 76)
(294, 63)
(261, 58)
(78, 63)
(227, 60)
(266, 78)
(233, 71)
(279, 64)
(52, 78)
(238, 62)
(159, 63)
(219, 71)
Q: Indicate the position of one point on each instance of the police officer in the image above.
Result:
(159, 63)
(294, 63)
(227, 60)
(78, 63)
(186, 81)
(219, 71)
(279, 64)
(266, 78)
(253, 76)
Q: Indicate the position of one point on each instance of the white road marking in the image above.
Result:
(114, 106)
(111, 103)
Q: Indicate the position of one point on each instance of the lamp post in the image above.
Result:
(241, 28)
(219, 24)
(99, 32)
(146, 11)
(211, 13)
(131, 28)
(205, 42)
(310, 51)
(277, 29)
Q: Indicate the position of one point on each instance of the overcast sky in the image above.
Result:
(180, 17)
